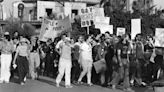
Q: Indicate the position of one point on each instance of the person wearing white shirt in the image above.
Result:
(65, 64)
(85, 60)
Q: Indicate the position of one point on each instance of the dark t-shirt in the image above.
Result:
(124, 49)
(148, 48)
(110, 53)
(139, 50)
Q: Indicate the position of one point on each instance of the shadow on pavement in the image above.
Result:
(50, 82)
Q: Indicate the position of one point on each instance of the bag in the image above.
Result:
(100, 66)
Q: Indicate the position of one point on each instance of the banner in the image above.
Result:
(104, 28)
(52, 28)
(86, 14)
(120, 31)
(135, 27)
(159, 37)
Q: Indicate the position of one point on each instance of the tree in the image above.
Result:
(113, 5)
(15, 25)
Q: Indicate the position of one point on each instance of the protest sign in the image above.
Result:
(104, 28)
(87, 15)
(159, 37)
(120, 31)
(135, 27)
(51, 28)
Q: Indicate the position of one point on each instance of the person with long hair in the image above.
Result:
(6, 48)
(22, 57)
(85, 60)
(34, 62)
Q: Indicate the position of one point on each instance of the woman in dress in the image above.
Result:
(85, 60)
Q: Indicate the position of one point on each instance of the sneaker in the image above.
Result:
(132, 82)
(143, 83)
(57, 85)
(79, 82)
(90, 84)
(22, 83)
(113, 86)
(24, 79)
(68, 86)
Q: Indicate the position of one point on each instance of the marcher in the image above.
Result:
(6, 48)
(22, 57)
(34, 61)
(123, 51)
(75, 57)
(65, 63)
(85, 60)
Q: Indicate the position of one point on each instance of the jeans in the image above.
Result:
(123, 73)
(137, 70)
(75, 70)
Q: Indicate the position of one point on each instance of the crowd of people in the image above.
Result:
(105, 59)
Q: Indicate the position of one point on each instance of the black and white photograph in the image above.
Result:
(81, 46)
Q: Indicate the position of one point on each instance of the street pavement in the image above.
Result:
(45, 84)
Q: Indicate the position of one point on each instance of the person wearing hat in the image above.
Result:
(22, 56)
(6, 48)
(65, 63)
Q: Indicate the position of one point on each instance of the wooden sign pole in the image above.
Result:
(87, 29)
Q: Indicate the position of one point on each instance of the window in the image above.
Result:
(48, 11)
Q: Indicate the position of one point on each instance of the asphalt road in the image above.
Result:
(45, 84)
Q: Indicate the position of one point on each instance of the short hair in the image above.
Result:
(107, 32)
(7, 37)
